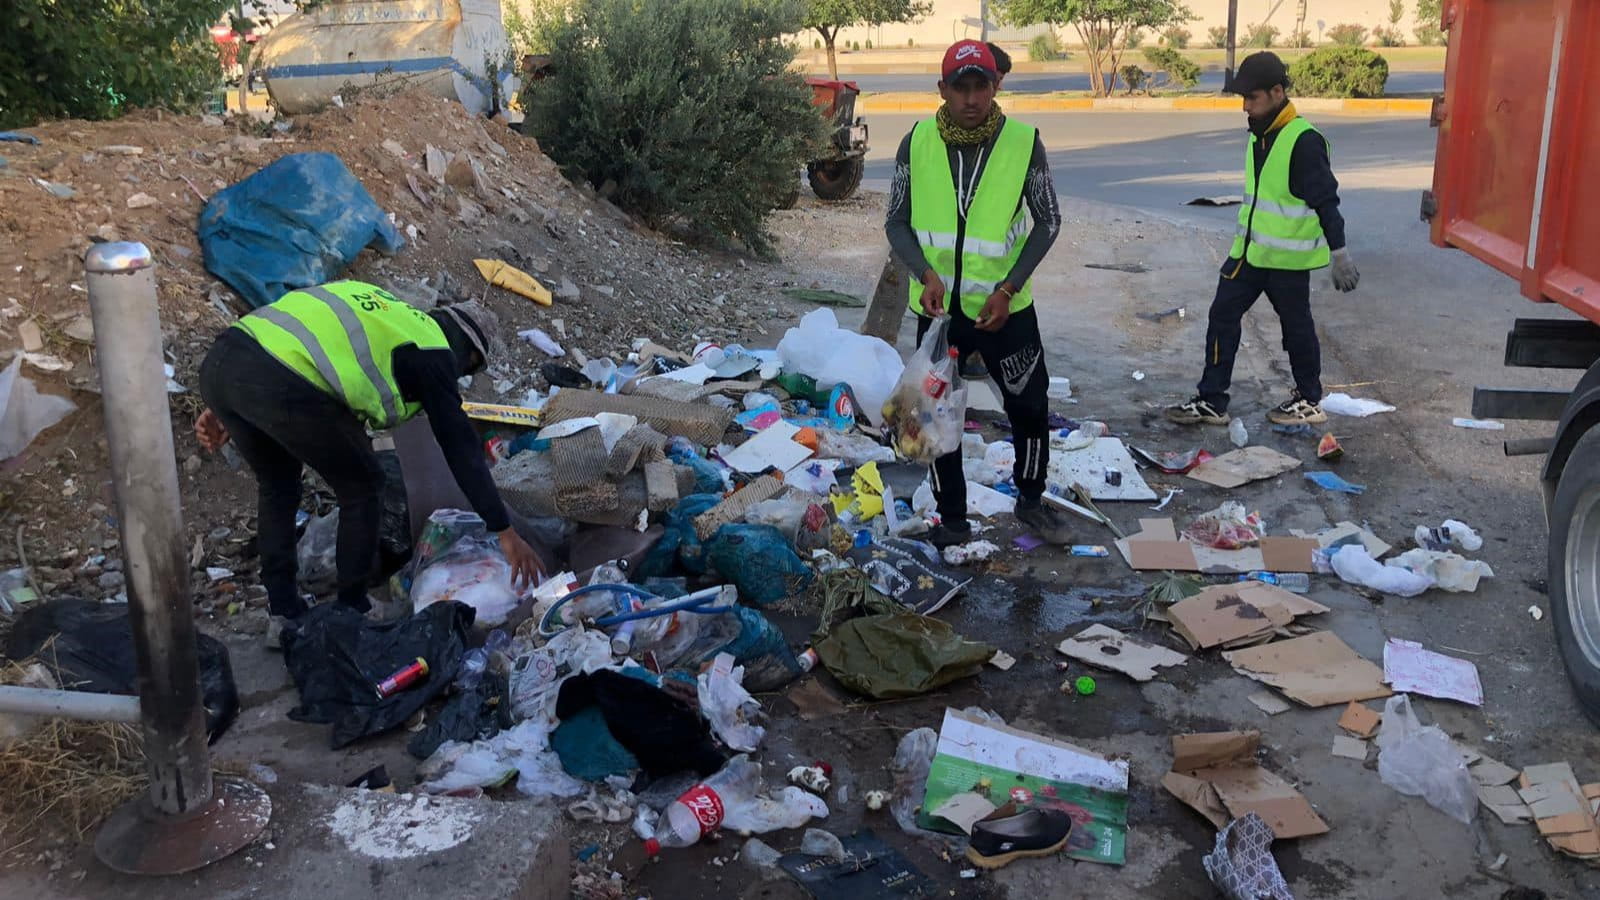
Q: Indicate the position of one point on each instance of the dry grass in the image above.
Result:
(63, 777)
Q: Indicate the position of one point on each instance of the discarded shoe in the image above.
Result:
(1035, 832)
(1198, 412)
(1046, 521)
(1297, 410)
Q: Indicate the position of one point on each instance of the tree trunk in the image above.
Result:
(1091, 49)
(833, 58)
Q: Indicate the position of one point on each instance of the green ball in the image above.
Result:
(1084, 684)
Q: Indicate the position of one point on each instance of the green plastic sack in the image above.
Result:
(899, 655)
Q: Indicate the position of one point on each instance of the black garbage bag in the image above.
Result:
(661, 731)
(479, 713)
(337, 658)
(89, 647)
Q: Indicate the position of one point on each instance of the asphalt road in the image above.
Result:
(1042, 82)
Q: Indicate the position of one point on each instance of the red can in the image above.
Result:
(403, 679)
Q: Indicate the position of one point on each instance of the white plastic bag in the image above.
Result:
(1451, 533)
(1421, 762)
(927, 411)
(536, 678)
(912, 760)
(818, 347)
(24, 412)
(1356, 566)
(729, 708)
(473, 571)
(1449, 571)
(1359, 407)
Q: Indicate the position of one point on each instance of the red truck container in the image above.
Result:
(1514, 186)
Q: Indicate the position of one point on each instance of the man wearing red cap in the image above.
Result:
(967, 182)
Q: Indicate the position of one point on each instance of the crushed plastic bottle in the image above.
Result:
(730, 799)
(1297, 582)
(1238, 433)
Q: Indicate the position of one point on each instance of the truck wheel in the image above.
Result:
(1574, 570)
(835, 179)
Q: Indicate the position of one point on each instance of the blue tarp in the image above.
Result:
(296, 223)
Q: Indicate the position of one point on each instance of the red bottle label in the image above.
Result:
(934, 386)
(706, 806)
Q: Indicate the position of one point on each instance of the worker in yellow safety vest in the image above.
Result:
(966, 184)
(299, 382)
(1289, 224)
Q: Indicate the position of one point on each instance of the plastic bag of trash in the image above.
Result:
(926, 412)
(24, 412)
(912, 760)
(1355, 565)
(474, 572)
(316, 554)
(1422, 762)
(759, 562)
(1228, 527)
(1449, 571)
(729, 708)
(680, 544)
(522, 752)
(818, 347)
(754, 643)
(851, 448)
(536, 678)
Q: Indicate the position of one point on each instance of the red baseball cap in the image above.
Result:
(969, 56)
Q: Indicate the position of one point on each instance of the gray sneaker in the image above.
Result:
(1046, 521)
(1197, 412)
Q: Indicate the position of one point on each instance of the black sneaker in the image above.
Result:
(1046, 521)
(1034, 832)
(949, 534)
(1197, 412)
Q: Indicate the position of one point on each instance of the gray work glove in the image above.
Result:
(1345, 276)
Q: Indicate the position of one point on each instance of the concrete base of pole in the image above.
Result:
(138, 839)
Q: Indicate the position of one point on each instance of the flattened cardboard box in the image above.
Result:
(1216, 771)
(1236, 614)
(1315, 670)
(1157, 547)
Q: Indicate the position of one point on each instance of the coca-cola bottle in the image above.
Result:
(731, 798)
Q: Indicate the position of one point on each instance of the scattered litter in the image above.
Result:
(218, 573)
(1138, 375)
(1421, 762)
(1269, 703)
(1346, 405)
(1347, 533)
(1329, 449)
(1002, 660)
(1228, 527)
(1361, 721)
(1349, 748)
(820, 349)
(1133, 268)
(729, 708)
(1028, 542)
(964, 810)
(1241, 864)
(1238, 434)
(1222, 200)
(1506, 804)
(812, 778)
(1217, 775)
(1479, 424)
(1449, 571)
(1450, 533)
(1175, 312)
(899, 655)
(816, 842)
(538, 338)
(1408, 667)
(1234, 615)
(1157, 548)
(1171, 492)
(1033, 769)
(1089, 466)
(24, 411)
(871, 870)
(1107, 648)
(774, 448)
(976, 551)
(1536, 613)
(876, 800)
(1315, 670)
(1060, 388)
(1355, 565)
(1330, 481)
(824, 297)
(1178, 462)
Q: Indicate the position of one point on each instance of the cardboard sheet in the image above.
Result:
(1503, 801)
(1363, 721)
(1231, 615)
(1225, 761)
(1088, 468)
(1347, 533)
(1349, 748)
(1410, 668)
(1488, 771)
(1156, 547)
(1269, 703)
(1106, 648)
(1242, 466)
(1315, 670)
(964, 810)
(774, 447)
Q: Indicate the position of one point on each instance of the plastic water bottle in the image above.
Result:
(1298, 582)
(700, 810)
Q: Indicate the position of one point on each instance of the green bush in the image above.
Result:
(1178, 69)
(1177, 37)
(1260, 35)
(1218, 35)
(1388, 37)
(1339, 72)
(1429, 35)
(1134, 39)
(1133, 76)
(1348, 35)
(816, 44)
(911, 42)
(1300, 39)
(1045, 47)
(94, 59)
(869, 45)
(855, 45)
(687, 107)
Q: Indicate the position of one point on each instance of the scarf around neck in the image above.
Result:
(952, 133)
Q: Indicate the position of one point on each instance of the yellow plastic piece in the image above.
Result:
(514, 280)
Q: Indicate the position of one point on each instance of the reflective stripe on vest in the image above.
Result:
(1276, 229)
(341, 338)
(996, 221)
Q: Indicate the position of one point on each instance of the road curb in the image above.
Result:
(927, 103)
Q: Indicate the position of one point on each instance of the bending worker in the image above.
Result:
(1289, 224)
(298, 383)
(957, 221)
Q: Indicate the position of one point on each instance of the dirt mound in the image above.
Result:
(146, 177)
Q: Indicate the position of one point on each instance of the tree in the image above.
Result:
(93, 59)
(1428, 32)
(827, 17)
(1103, 26)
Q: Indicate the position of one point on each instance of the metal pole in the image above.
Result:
(32, 701)
(1233, 40)
(144, 472)
(178, 825)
